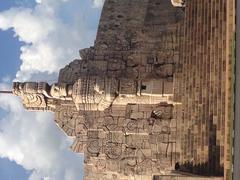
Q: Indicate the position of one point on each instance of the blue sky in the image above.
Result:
(9, 65)
(49, 35)
(9, 62)
(10, 52)
(10, 170)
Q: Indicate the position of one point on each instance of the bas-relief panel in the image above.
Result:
(137, 40)
(133, 143)
(126, 141)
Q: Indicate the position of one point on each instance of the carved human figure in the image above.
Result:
(56, 90)
(39, 95)
(94, 93)
(61, 91)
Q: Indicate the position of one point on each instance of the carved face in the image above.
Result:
(58, 90)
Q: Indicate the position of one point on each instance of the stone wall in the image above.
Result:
(206, 55)
(136, 140)
(155, 89)
(136, 39)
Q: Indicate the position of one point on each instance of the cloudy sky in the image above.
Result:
(37, 38)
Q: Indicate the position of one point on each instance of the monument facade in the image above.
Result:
(137, 102)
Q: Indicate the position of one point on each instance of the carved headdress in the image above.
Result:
(33, 95)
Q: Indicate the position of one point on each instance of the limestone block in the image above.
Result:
(114, 66)
(154, 148)
(93, 134)
(113, 150)
(94, 146)
(144, 168)
(152, 139)
(131, 126)
(102, 135)
(110, 123)
(121, 121)
(146, 144)
(157, 129)
(86, 53)
(116, 137)
(164, 111)
(82, 138)
(164, 70)
(127, 87)
(129, 152)
(99, 164)
(113, 165)
(134, 140)
(127, 170)
(152, 87)
(129, 140)
(78, 146)
(147, 153)
(137, 115)
(168, 87)
(98, 67)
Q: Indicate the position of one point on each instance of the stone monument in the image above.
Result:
(127, 101)
(117, 100)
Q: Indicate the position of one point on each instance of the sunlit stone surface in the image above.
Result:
(151, 93)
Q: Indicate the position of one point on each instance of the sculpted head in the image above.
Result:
(60, 90)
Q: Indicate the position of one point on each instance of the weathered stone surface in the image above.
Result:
(135, 139)
(117, 100)
(147, 94)
(178, 3)
(207, 71)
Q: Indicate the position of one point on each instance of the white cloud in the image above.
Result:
(53, 32)
(33, 141)
(38, 1)
(98, 3)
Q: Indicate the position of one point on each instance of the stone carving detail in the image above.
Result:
(61, 91)
(164, 111)
(38, 94)
(78, 146)
(32, 94)
(117, 100)
(81, 129)
(164, 70)
(34, 100)
(113, 150)
(178, 3)
(132, 125)
(94, 146)
(87, 53)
